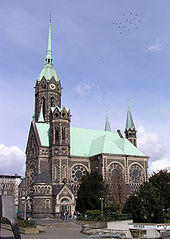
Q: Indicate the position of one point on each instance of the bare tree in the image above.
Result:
(117, 193)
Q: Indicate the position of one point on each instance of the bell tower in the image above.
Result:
(48, 85)
(59, 144)
(130, 130)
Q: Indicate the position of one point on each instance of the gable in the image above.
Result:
(33, 137)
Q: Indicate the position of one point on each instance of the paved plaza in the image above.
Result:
(59, 230)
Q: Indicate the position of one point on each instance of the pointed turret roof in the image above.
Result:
(129, 120)
(48, 58)
(107, 124)
(41, 117)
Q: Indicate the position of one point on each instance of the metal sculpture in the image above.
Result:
(7, 210)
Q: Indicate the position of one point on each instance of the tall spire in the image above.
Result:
(48, 58)
(107, 124)
(129, 120)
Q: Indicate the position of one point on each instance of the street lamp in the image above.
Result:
(25, 199)
(101, 200)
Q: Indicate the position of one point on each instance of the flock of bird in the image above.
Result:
(129, 22)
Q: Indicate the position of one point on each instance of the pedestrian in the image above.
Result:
(66, 215)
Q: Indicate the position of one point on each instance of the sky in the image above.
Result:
(101, 67)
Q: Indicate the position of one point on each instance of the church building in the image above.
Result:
(58, 155)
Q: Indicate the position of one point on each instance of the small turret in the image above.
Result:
(130, 130)
(107, 124)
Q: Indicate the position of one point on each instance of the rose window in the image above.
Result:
(115, 170)
(136, 173)
(78, 172)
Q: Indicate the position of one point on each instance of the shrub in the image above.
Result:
(94, 214)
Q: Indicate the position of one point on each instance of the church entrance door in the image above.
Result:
(65, 207)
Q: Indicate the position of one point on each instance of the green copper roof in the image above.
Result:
(41, 117)
(43, 131)
(88, 142)
(48, 72)
(129, 120)
(107, 124)
(48, 58)
(60, 109)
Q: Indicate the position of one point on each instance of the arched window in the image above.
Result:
(52, 101)
(63, 133)
(56, 134)
(115, 173)
(136, 174)
(43, 105)
(47, 203)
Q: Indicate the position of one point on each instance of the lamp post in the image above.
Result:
(101, 200)
(25, 199)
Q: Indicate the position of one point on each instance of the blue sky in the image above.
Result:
(100, 69)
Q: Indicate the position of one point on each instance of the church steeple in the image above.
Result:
(48, 86)
(130, 130)
(48, 58)
(107, 124)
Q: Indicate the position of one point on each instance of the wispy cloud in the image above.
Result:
(165, 111)
(87, 88)
(156, 47)
(83, 88)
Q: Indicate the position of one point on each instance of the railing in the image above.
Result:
(117, 217)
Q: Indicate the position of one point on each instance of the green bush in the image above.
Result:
(26, 223)
(94, 215)
(112, 208)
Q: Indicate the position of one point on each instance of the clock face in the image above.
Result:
(52, 86)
